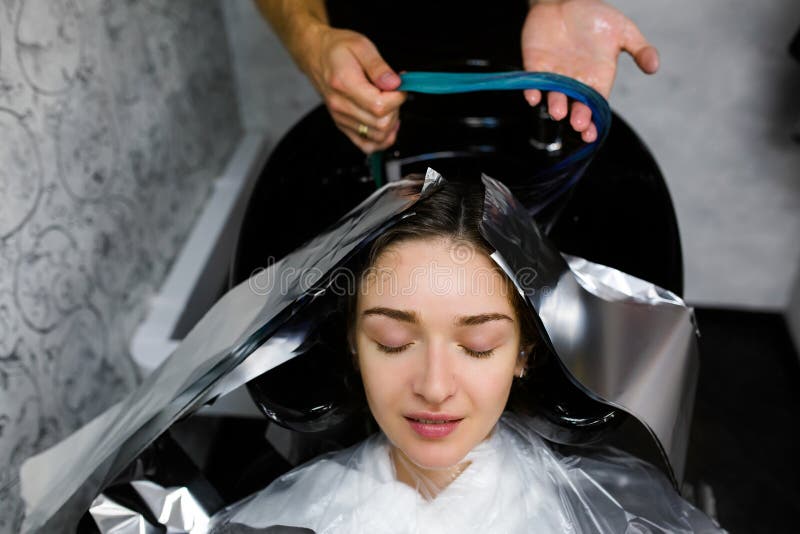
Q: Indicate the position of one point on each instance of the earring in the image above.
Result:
(522, 373)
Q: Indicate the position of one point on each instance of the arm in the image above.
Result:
(295, 23)
(581, 39)
(357, 85)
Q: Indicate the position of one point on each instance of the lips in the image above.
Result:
(432, 421)
(432, 425)
(433, 418)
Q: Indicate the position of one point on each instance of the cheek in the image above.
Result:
(383, 377)
(490, 386)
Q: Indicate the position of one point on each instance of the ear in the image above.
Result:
(522, 359)
(351, 346)
(524, 356)
(351, 340)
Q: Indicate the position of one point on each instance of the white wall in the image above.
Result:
(718, 117)
(273, 94)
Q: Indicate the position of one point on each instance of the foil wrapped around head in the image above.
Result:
(620, 353)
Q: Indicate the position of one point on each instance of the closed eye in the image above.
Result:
(478, 353)
(392, 350)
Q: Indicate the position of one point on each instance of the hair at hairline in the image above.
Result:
(451, 213)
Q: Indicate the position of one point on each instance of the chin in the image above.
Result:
(436, 455)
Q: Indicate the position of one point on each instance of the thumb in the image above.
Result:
(377, 70)
(644, 54)
(647, 59)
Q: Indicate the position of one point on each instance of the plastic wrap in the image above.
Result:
(206, 364)
(513, 482)
(255, 328)
(593, 317)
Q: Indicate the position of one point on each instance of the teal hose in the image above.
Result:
(453, 82)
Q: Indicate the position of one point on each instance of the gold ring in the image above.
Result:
(363, 130)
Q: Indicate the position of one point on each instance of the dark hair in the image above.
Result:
(453, 212)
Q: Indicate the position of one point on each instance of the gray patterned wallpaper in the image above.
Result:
(115, 116)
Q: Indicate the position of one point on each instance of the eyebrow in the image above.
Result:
(411, 317)
(398, 315)
(472, 320)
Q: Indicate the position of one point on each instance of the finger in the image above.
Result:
(590, 134)
(390, 140)
(648, 59)
(380, 133)
(340, 105)
(365, 131)
(580, 117)
(533, 96)
(644, 54)
(353, 85)
(377, 70)
(391, 101)
(366, 146)
(557, 105)
(372, 100)
(375, 91)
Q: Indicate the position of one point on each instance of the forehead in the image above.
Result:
(436, 277)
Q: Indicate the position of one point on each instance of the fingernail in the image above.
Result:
(390, 78)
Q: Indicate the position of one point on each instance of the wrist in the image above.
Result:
(306, 42)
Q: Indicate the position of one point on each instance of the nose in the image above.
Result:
(435, 380)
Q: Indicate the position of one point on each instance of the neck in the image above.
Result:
(428, 482)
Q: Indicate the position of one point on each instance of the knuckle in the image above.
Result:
(336, 82)
(378, 108)
(384, 122)
(335, 104)
(397, 100)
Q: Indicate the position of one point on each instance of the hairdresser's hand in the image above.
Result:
(358, 86)
(580, 39)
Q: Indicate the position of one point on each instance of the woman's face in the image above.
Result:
(438, 346)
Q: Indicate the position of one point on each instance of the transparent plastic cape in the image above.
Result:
(621, 341)
(514, 483)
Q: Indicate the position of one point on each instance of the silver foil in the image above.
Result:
(68, 476)
(114, 518)
(623, 340)
(174, 508)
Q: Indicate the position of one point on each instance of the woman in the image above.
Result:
(440, 336)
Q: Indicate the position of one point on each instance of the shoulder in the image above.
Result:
(328, 487)
(600, 484)
(367, 459)
(519, 431)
